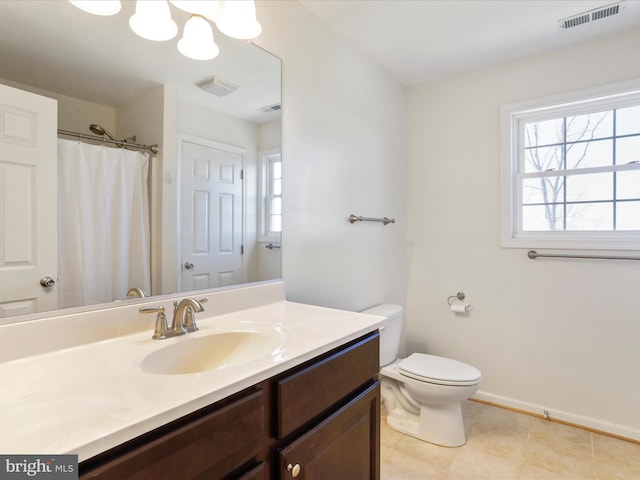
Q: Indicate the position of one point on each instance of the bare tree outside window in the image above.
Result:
(563, 144)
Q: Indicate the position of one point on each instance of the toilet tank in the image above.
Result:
(390, 332)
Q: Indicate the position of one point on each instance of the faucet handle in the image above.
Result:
(161, 330)
(189, 322)
(190, 317)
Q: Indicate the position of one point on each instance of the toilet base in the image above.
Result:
(441, 425)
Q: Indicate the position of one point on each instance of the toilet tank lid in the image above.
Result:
(384, 310)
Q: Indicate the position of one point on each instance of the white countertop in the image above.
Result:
(88, 398)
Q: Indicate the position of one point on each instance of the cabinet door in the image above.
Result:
(307, 393)
(212, 446)
(257, 473)
(346, 445)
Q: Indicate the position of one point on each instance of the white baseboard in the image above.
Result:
(565, 417)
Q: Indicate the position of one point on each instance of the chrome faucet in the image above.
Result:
(136, 292)
(184, 319)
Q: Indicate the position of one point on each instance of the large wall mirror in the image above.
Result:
(205, 210)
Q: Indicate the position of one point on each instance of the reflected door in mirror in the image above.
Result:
(211, 233)
(28, 199)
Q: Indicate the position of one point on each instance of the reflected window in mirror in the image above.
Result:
(271, 198)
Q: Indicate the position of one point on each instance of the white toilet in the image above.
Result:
(422, 393)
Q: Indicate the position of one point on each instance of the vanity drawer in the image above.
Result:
(208, 446)
(319, 385)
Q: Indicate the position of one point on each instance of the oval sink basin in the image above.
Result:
(213, 351)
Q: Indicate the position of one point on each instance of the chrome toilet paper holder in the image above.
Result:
(458, 307)
(460, 296)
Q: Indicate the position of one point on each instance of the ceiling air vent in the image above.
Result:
(270, 108)
(592, 15)
(217, 86)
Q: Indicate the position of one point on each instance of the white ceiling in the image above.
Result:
(422, 40)
(52, 45)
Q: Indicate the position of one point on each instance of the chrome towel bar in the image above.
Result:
(532, 254)
(385, 220)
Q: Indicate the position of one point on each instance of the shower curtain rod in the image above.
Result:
(152, 148)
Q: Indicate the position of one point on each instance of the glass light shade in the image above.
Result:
(197, 40)
(98, 7)
(210, 9)
(153, 21)
(238, 19)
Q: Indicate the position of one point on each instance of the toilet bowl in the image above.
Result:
(422, 393)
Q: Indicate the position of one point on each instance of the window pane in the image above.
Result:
(627, 150)
(277, 169)
(590, 216)
(542, 159)
(542, 217)
(628, 216)
(598, 153)
(276, 206)
(590, 126)
(543, 133)
(627, 120)
(628, 184)
(542, 190)
(276, 223)
(594, 186)
(276, 187)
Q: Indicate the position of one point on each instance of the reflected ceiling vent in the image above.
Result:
(592, 15)
(271, 108)
(217, 86)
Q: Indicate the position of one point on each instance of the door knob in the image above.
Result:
(188, 265)
(47, 282)
(294, 469)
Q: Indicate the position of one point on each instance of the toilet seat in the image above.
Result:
(438, 370)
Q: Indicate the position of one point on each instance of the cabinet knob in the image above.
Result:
(294, 469)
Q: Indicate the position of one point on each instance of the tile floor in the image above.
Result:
(506, 445)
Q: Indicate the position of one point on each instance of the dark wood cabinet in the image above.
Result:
(344, 445)
(322, 416)
(211, 443)
(315, 387)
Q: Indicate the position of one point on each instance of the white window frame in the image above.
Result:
(513, 116)
(264, 232)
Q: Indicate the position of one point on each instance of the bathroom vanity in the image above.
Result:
(296, 397)
(317, 420)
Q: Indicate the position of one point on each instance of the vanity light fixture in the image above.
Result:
(238, 19)
(153, 21)
(210, 9)
(98, 7)
(197, 39)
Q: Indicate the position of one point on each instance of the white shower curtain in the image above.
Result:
(103, 223)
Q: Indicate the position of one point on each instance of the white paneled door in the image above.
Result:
(211, 211)
(28, 202)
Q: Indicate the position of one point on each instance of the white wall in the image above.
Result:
(343, 153)
(558, 334)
